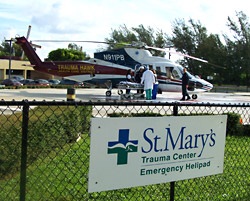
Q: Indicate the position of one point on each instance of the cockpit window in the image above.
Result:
(190, 75)
(181, 70)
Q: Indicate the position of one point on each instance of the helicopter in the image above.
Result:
(112, 65)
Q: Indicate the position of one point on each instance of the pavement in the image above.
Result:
(97, 94)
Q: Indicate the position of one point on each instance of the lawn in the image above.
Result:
(63, 176)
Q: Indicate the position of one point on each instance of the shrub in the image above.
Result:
(246, 130)
(234, 124)
(143, 114)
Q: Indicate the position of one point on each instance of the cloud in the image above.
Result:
(94, 20)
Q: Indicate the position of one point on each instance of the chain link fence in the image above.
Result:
(45, 148)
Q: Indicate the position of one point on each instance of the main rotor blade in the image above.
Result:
(84, 41)
(71, 41)
(191, 57)
(184, 55)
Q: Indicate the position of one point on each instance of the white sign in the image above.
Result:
(138, 151)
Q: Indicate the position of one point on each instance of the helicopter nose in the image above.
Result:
(208, 86)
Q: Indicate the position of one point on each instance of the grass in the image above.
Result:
(63, 176)
(49, 128)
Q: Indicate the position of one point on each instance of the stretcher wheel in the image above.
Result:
(120, 92)
(108, 93)
(194, 96)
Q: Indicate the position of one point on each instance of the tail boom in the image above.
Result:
(29, 51)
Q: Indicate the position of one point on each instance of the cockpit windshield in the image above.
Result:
(181, 70)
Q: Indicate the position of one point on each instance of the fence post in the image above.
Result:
(172, 184)
(175, 110)
(24, 150)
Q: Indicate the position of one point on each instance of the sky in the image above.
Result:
(94, 20)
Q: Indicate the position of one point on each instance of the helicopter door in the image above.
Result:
(171, 76)
(158, 70)
(169, 73)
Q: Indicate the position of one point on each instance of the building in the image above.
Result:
(16, 66)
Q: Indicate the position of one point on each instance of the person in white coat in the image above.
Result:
(148, 79)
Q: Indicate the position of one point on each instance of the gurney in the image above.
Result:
(123, 85)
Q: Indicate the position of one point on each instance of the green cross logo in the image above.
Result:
(122, 147)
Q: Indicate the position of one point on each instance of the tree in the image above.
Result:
(5, 49)
(120, 38)
(73, 46)
(192, 39)
(137, 35)
(239, 48)
(73, 53)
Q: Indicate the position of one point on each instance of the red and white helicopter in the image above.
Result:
(113, 65)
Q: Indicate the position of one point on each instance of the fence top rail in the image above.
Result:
(116, 103)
